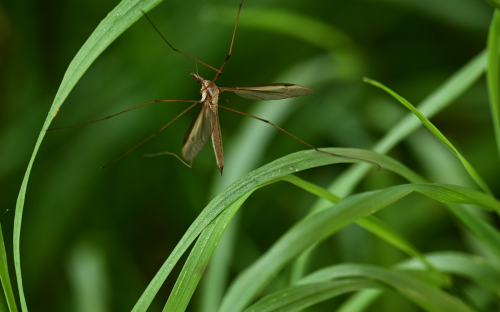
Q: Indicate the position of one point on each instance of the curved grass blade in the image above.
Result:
(371, 223)
(492, 74)
(267, 174)
(116, 22)
(4, 276)
(324, 224)
(360, 301)
(442, 97)
(200, 256)
(311, 188)
(473, 173)
(299, 297)
(425, 295)
(472, 267)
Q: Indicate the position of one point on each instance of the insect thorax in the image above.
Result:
(212, 92)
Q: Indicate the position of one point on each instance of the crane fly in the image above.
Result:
(205, 125)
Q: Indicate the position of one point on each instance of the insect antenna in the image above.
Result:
(152, 135)
(177, 50)
(296, 138)
(89, 122)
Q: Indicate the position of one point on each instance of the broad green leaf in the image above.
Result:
(324, 224)
(492, 74)
(4, 276)
(473, 173)
(267, 174)
(426, 296)
(115, 23)
(299, 297)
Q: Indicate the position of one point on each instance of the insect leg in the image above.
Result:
(89, 122)
(296, 138)
(177, 50)
(152, 135)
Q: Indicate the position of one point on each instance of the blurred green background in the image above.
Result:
(93, 238)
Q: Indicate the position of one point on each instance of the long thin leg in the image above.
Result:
(230, 49)
(149, 137)
(88, 122)
(176, 50)
(296, 138)
(172, 154)
(175, 155)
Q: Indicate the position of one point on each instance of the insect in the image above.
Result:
(205, 125)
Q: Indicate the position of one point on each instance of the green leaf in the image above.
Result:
(442, 97)
(360, 301)
(299, 297)
(265, 175)
(370, 223)
(473, 173)
(311, 188)
(200, 256)
(468, 266)
(115, 23)
(428, 297)
(4, 276)
(492, 74)
(324, 224)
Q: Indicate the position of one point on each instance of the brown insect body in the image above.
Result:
(205, 124)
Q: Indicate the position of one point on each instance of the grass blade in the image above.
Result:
(468, 266)
(473, 173)
(4, 276)
(267, 174)
(115, 23)
(299, 297)
(371, 223)
(492, 74)
(321, 225)
(426, 296)
(360, 301)
(199, 257)
(311, 188)
(443, 96)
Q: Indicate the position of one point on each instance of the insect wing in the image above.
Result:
(275, 91)
(198, 134)
(217, 138)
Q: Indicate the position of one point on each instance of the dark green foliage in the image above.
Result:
(87, 239)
